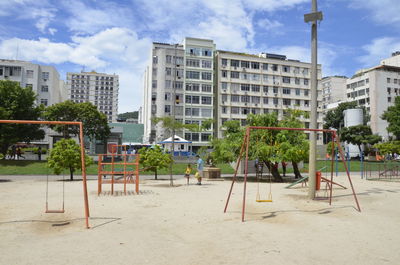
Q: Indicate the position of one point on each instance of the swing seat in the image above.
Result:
(267, 200)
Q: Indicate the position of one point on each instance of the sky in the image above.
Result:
(116, 36)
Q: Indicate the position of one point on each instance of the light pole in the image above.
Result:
(313, 17)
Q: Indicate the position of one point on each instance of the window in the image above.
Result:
(265, 66)
(275, 89)
(255, 77)
(245, 87)
(205, 137)
(154, 84)
(265, 78)
(361, 92)
(388, 90)
(207, 52)
(255, 88)
(206, 76)
(297, 81)
(235, 63)
(192, 112)
(178, 85)
(224, 110)
(224, 85)
(206, 100)
(255, 100)
(245, 111)
(193, 51)
(286, 79)
(206, 64)
(168, 71)
(306, 81)
(45, 75)
(296, 70)
(245, 64)
(168, 58)
(195, 137)
(224, 74)
(206, 88)
(389, 99)
(192, 87)
(235, 110)
(367, 80)
(245, 99)
(388, 80)
(297, 91)
(274, 67)
(167, 96)
(234, 74)
(265, 100)
(178, 60)
(44, 101)
(286, 68)
(29, 86)
(286, 101)
(235, 98)
(235, 87)
(306, 103)
(395, 81)
(224, 97)
(265, 89)
(167, 84)
(255, 65)
(265, 111)
(206, 112)
(167, 109)
(155, 59)
(306, 92)
(224, 62)
(297, 102)
(192, 75)
(305, 71)
(192, 63)
(244, 76)
(286, 91)
(45, 89)
(29, 73)
(276, 101)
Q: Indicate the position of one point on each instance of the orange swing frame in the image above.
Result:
(84, 180)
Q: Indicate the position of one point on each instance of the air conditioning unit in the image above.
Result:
(223, 66)
(256, 104)
(245, 103)
(265, 93)
(276, 94)
(244, 69)
(224, 90)
(235, 67)
(276, 105)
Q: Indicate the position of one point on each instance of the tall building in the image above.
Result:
(98, 88)
(179, 83)
(375, 88)
(42, 79)
(333, 90)
(264, 83)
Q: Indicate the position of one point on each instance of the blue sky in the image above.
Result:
(116, 36)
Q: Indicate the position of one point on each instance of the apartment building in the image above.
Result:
(98, 88)
(375, 88)
(333, 90)
(263, 83)
(179, 83)
(42, 79)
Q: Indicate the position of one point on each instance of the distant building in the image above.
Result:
(98, 88)
(44, 80)
(333, 90)
(375, 88)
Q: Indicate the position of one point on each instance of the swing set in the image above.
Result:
(84, 181)
(244, 150)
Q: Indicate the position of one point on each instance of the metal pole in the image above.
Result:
(314, 94)
(171, 179)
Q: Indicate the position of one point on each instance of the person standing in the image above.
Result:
(200, 167)
(187, 173)
(39, 153)
(19, 153)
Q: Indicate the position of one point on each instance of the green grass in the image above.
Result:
(21, 167)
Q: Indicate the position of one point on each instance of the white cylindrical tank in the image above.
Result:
(353, 117)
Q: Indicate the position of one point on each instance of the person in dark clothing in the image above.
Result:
(39, 153)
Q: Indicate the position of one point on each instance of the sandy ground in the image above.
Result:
(186, 224)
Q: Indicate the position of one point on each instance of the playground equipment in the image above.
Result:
(129, 169)
(84, 182)
(47, 197)
(245, 148)
(383, 170)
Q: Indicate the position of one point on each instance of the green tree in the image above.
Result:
(129, 115)
(95, 124)
(154, 159)
(391, 115)
(388, 147)
(18, 103)
(66, 154)
(359, 135)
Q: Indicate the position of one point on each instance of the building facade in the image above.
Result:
(262, 83)
(333, 90)
(42, 79)
(98, 88)
(375, 89)
(179, 83)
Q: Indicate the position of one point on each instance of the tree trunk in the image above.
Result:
(155, 174)
(71, 174)
(274, 171)
(296, 170)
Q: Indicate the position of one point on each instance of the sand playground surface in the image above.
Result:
(186, 224)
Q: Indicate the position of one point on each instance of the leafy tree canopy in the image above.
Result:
(66, 154)
(129, 115)
(335, 118)
(17, 103)
(388, 147)
(95, 124)
(392, 116)
(154, 159)
(359, 135)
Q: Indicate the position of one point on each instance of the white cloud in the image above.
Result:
(383, 11)
(115, 50)
(268, 24)
(273, 5)
(378, 50)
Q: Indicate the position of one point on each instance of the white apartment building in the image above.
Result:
(262, 83)
(180, 77)
(98, 88)
(375, 88)
(42, 79)
(333, 90)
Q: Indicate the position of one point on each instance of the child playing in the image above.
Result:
(187, 172)
(198, 177)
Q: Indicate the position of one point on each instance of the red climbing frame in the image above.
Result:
(245, 146)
